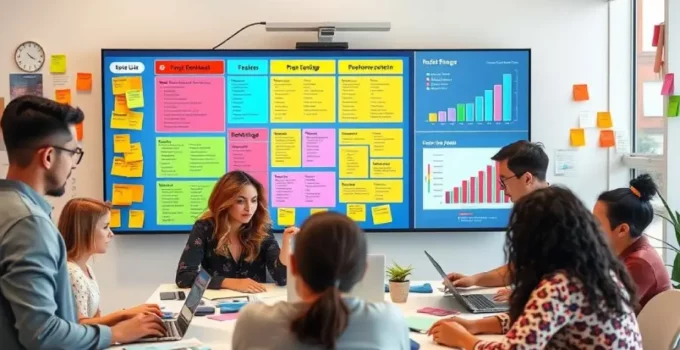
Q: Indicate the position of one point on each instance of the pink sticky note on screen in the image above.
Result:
(668, 84)
(224, 317)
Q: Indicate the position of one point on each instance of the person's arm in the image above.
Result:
(498, 277)
(192, 256)
(30, 284)
(275, 266)
(642, 274)
(545, 314)
(81, 295)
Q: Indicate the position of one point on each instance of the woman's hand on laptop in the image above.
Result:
(460, 280)
(244, 285)
(502, 295)
(140, 326)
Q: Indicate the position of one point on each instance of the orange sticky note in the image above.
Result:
(577, 137)
(84, 81)
(115, 218)
(607, 138)
(122, 195)
(581, 92)
(63, 96)
(79, 131)
(604, 120)
(137, 193)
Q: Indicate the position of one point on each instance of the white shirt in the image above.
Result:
(85, 290)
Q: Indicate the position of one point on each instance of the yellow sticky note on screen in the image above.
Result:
(604, 120)
(135, 153)
(121, 143)
(58, 64)
(577, 137)
(317, 210)
(135, 120)
(120, 104)
(122, 195)
(382, 214)
(137, 193)
(119, 167)
(286, 216)
(356, 212)
(134, 98)
(115, 218)
(135, 169)
(136, 219)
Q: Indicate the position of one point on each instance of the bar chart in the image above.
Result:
(462, 178)
(491, 105)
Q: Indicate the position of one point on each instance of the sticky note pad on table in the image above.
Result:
(122, 195)
(63, 96)
(604, 120)
(58, 64)
(121, 143)
(356, 212)
(317, 210)
(420, 323)
(136, 219)
(115, 218)
(668, 86)
(84, 81)
(286, 216)
(382, 214)
(577, 137)
(580, 92)
(607, 138)
(134, 98)
(135, 153)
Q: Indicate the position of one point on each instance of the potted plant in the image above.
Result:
(673, 217)
(399, 283)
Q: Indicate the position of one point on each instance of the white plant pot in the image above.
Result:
(399, 291)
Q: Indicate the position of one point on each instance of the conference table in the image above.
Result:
(217, 335)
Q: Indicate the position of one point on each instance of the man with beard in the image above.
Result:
(36, 303)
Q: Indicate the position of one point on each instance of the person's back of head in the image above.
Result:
(552, 231)
(524, 157)
(78, 223)
(329, 259)
(628, 209)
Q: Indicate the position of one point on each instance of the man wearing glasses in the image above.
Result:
(522, 168)
(36, 302)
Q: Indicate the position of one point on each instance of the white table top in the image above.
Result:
(217, 335)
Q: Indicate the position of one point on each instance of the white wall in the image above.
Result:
(569, 39)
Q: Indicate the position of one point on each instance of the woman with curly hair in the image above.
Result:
(231, 240)
(571, 291)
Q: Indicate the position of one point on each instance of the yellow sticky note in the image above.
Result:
(286, 148)
(121, 143)
(84, 81)
(58, 64)
(356, 212)
(382, 214)
(120, 105)
(135, 169)
(577, 137)
(317, 210)
(63, 96)
(129, 121)
(121, 85)
(136, 219)
(135, 120)
(119, 167)
(286, 216)
(137, 193)
(122, 195)
(115, 218)
(135, 153)
(134, 98)
(604, 120)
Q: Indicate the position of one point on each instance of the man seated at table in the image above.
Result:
(522, 168)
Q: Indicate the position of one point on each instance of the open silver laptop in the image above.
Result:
(177, 328)
(371, 288)
(476, 303)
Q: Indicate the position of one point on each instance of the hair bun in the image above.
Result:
(645, 185)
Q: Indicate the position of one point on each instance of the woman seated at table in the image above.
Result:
(570, 290)
(231, 240)
(329, 259)
(624, 213)
(84, 225)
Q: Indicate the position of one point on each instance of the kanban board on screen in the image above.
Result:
(396, 139)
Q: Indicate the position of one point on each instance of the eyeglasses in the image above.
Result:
(76, 153)
(501, 180)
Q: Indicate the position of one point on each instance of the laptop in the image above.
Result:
(176, 329)
(476, 303)
(371, 288)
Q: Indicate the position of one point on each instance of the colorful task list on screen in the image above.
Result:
(321, 132)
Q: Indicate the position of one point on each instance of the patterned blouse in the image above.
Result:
(557, 316)
(85, 290)
(200, 252)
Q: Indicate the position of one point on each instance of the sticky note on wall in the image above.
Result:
(382, 214)
(135, 153)
(58, 64)
(63, 96)
(136, 219)
(137, 193)
(285, 216)
(580, 92)
(135, 169)
(604, 120)
(119, 167)
(115, 218)
(84, 81)
(607, 138)
(122, 195)
(356, 212)
(134, 98)
(673, 106)
(577, 137)
(121, 143)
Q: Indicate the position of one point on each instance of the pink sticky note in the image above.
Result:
(668, 84)
(312, 189)
(224, 317)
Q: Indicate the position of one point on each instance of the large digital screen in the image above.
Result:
(399, 140)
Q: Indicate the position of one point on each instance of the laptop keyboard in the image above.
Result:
(480, 302)
(171, 329)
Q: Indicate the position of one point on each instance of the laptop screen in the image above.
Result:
(193, 299)
(447, 282)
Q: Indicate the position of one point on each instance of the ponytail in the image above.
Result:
(323, 321)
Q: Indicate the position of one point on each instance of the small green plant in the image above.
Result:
(398, 273)
(673, 217)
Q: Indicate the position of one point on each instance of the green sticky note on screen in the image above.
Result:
(420, 323)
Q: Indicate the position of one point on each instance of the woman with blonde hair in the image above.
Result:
(231, 240)
(84, 225)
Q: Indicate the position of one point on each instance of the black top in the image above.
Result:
(200, 252)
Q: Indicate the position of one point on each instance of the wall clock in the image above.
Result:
(29, 56)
